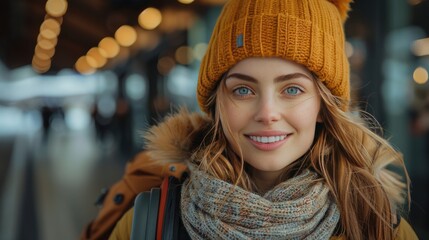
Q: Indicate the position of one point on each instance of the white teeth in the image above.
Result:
(270, 139)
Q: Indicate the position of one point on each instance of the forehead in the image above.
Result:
(272, 65)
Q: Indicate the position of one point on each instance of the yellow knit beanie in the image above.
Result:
(309, 32)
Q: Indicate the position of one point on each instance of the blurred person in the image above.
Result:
(50, 114)
(277, 152)
(422, 118)
(46, 113)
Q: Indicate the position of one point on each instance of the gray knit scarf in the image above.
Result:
(299, 208)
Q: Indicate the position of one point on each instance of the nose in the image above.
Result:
(268, 111)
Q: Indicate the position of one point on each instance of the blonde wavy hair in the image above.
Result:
(358, 165)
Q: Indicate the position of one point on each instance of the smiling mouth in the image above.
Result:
(268, 140)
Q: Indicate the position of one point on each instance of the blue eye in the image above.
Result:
(242, 91)
(293, 90)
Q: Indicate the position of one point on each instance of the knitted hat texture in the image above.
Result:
(308, 32)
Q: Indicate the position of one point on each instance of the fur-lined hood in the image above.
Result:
(176, 138)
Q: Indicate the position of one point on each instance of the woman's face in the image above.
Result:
(271, 105)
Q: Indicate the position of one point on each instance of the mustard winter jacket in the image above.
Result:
(173, 141)
(122, 230)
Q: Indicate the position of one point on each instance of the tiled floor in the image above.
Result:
(49, 184)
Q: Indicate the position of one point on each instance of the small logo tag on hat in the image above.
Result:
(239, 41)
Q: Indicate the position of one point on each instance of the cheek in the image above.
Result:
(306, 116)
(233, 117)
(234, 121)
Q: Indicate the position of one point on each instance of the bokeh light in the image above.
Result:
(186, 1)
(126, 36)
(165, 64)
(420, 75)
(56, 8)
(109, 46)
(97, 59)
(183, 55)
(150, 18)
(83, 67)
(199, 50)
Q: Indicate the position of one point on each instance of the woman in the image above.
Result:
(278, 154)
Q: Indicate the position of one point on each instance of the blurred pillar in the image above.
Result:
(399, 94)
(396, 71)
(374, 13)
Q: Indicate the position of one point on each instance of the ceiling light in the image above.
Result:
(420, 47)
(150, 18)
(183, 55)
(186, 1)
(126, 35)
(109, 46)
(99, 59)
(83, 67)
(56, 8)
(420, 75)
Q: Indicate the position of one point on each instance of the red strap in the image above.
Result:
(162, 202)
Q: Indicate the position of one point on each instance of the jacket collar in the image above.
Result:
(175, 139)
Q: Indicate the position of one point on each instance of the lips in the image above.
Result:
(267, 141)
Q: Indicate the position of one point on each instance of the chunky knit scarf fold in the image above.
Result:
(299, 208)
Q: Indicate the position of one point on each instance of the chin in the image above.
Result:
(273, 167)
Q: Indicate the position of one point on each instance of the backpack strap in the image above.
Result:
(163, 201)
(141, 205)
(141, 174)
(145, 215)
(169, 228)
(155, 195)
(173, 227)
(157, 213)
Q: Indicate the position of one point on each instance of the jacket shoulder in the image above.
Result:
(405, 231)
(141, 174)
(122, 229)
(143, 165)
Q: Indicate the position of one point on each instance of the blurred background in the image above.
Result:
(80, 80)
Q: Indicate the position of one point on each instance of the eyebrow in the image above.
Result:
(280, 78)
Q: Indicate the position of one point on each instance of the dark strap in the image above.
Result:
(155, 195)
(162, 208)
(146, 208)
(141, 205)
(173, 226)
(145, 215)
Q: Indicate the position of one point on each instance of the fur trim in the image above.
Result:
(343, 7)
(177, 137)
(392, 182)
